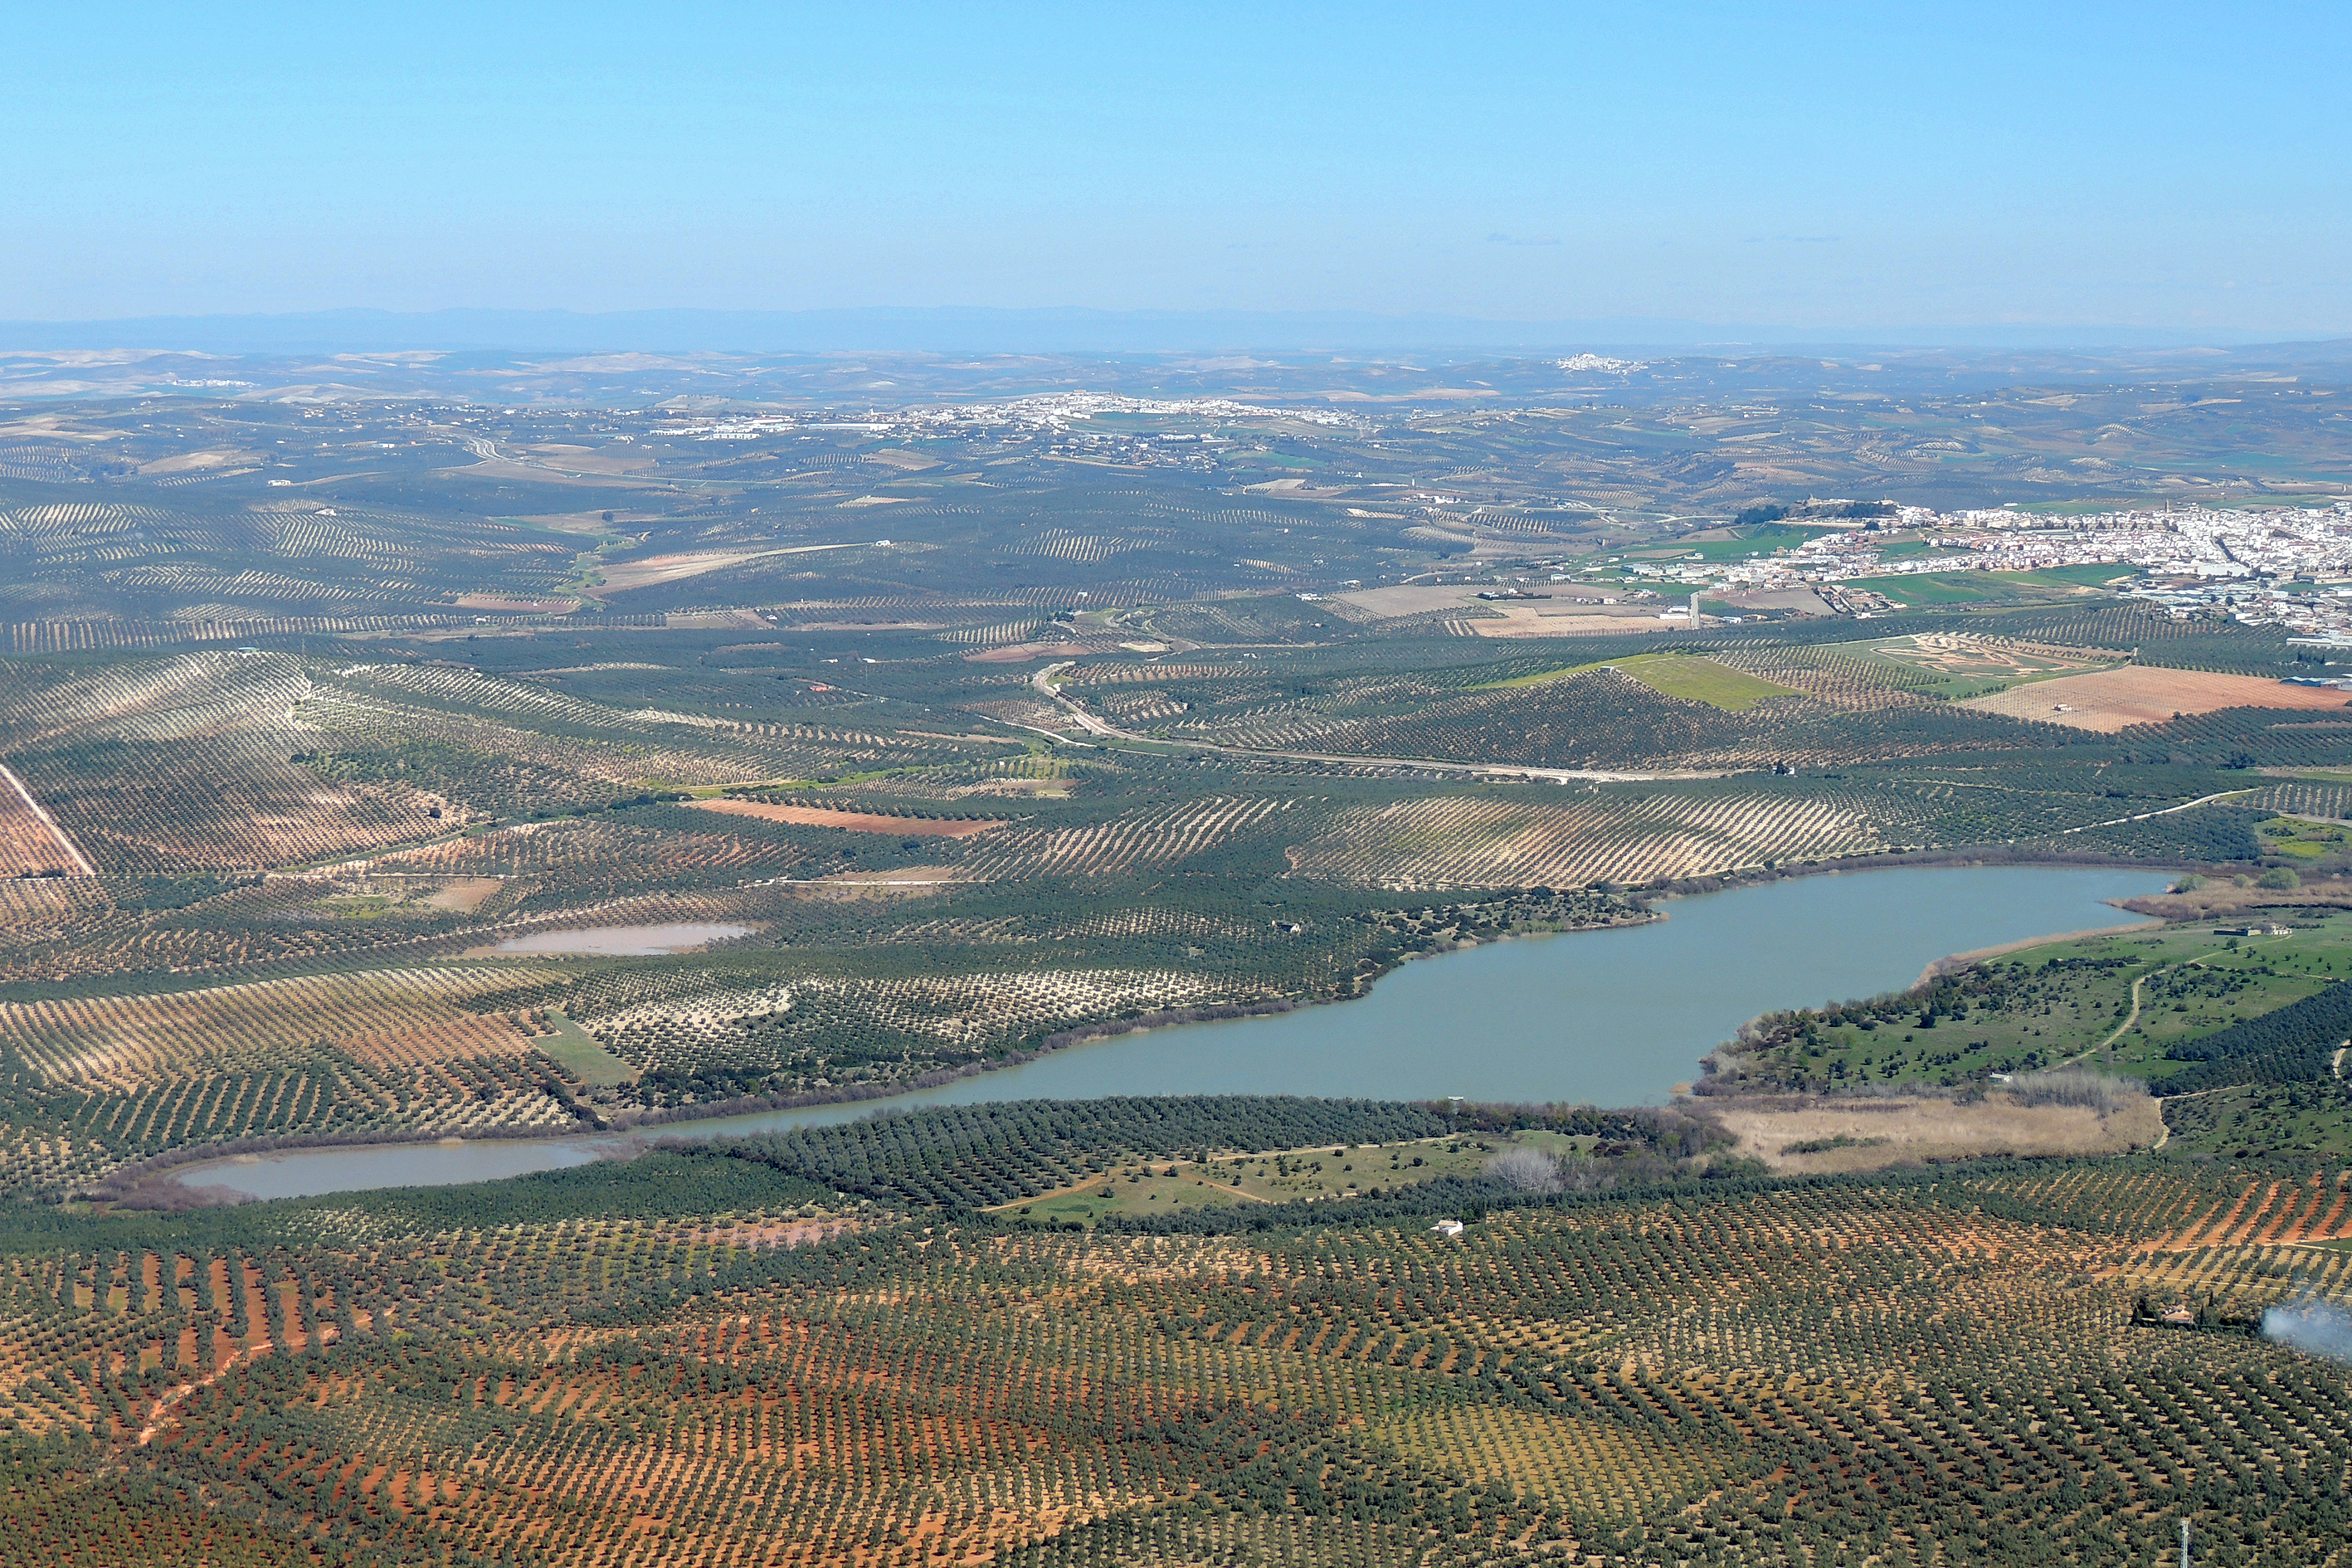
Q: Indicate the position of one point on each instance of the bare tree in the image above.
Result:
(2076, 1085)
(1525, 1170)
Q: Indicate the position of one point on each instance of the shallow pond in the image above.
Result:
(624, 940)
(1616, 1018)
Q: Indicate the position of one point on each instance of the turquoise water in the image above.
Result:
(1614, 1017)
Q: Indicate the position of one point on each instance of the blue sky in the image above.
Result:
(1815, 166)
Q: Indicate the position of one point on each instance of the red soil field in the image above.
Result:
(2107, 700)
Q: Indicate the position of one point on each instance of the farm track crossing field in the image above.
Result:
(31, 843)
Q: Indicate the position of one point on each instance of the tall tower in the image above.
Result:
(2184, 1544)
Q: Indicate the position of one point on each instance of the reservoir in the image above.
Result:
(1612, 1018)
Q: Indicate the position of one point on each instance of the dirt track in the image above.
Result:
(31, 842)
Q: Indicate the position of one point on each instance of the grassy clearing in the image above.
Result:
(1961, 587)
(1872, 1132)
(1153, 1186)
(576, 1052)
(1691, 676)
(2304, 841)
(2266, 1119)
(1702, 680)
(2072, 1000)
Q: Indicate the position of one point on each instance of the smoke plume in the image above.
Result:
(2315, 1328)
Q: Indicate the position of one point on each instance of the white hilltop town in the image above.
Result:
(1601, 364)
(1054, 411)
(1051, 424)
(2287, 567)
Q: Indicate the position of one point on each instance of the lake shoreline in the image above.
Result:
(626, 1135)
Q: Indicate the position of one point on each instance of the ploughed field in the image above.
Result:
(2112, 699)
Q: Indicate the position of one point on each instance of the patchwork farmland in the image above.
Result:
(492, 747)
(1778, 1375)
(1465, 843)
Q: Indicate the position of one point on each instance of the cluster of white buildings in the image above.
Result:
(2290, 567)
(2311, 542)
(1587, 363)
(1048, 413)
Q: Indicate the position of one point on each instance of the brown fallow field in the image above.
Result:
(1023, 652)
(2107, 700)
(1920, 1129)
(855, 821)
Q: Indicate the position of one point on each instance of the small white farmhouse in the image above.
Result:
(1446, 1228)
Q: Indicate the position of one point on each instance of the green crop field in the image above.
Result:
(1962, 587)
(575, 1051)
(1695, 680)
(1702, 680)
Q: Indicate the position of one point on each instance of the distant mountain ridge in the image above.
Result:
(953, 330)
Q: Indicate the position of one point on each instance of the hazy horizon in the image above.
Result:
(1049, 330)
(1800, 174)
